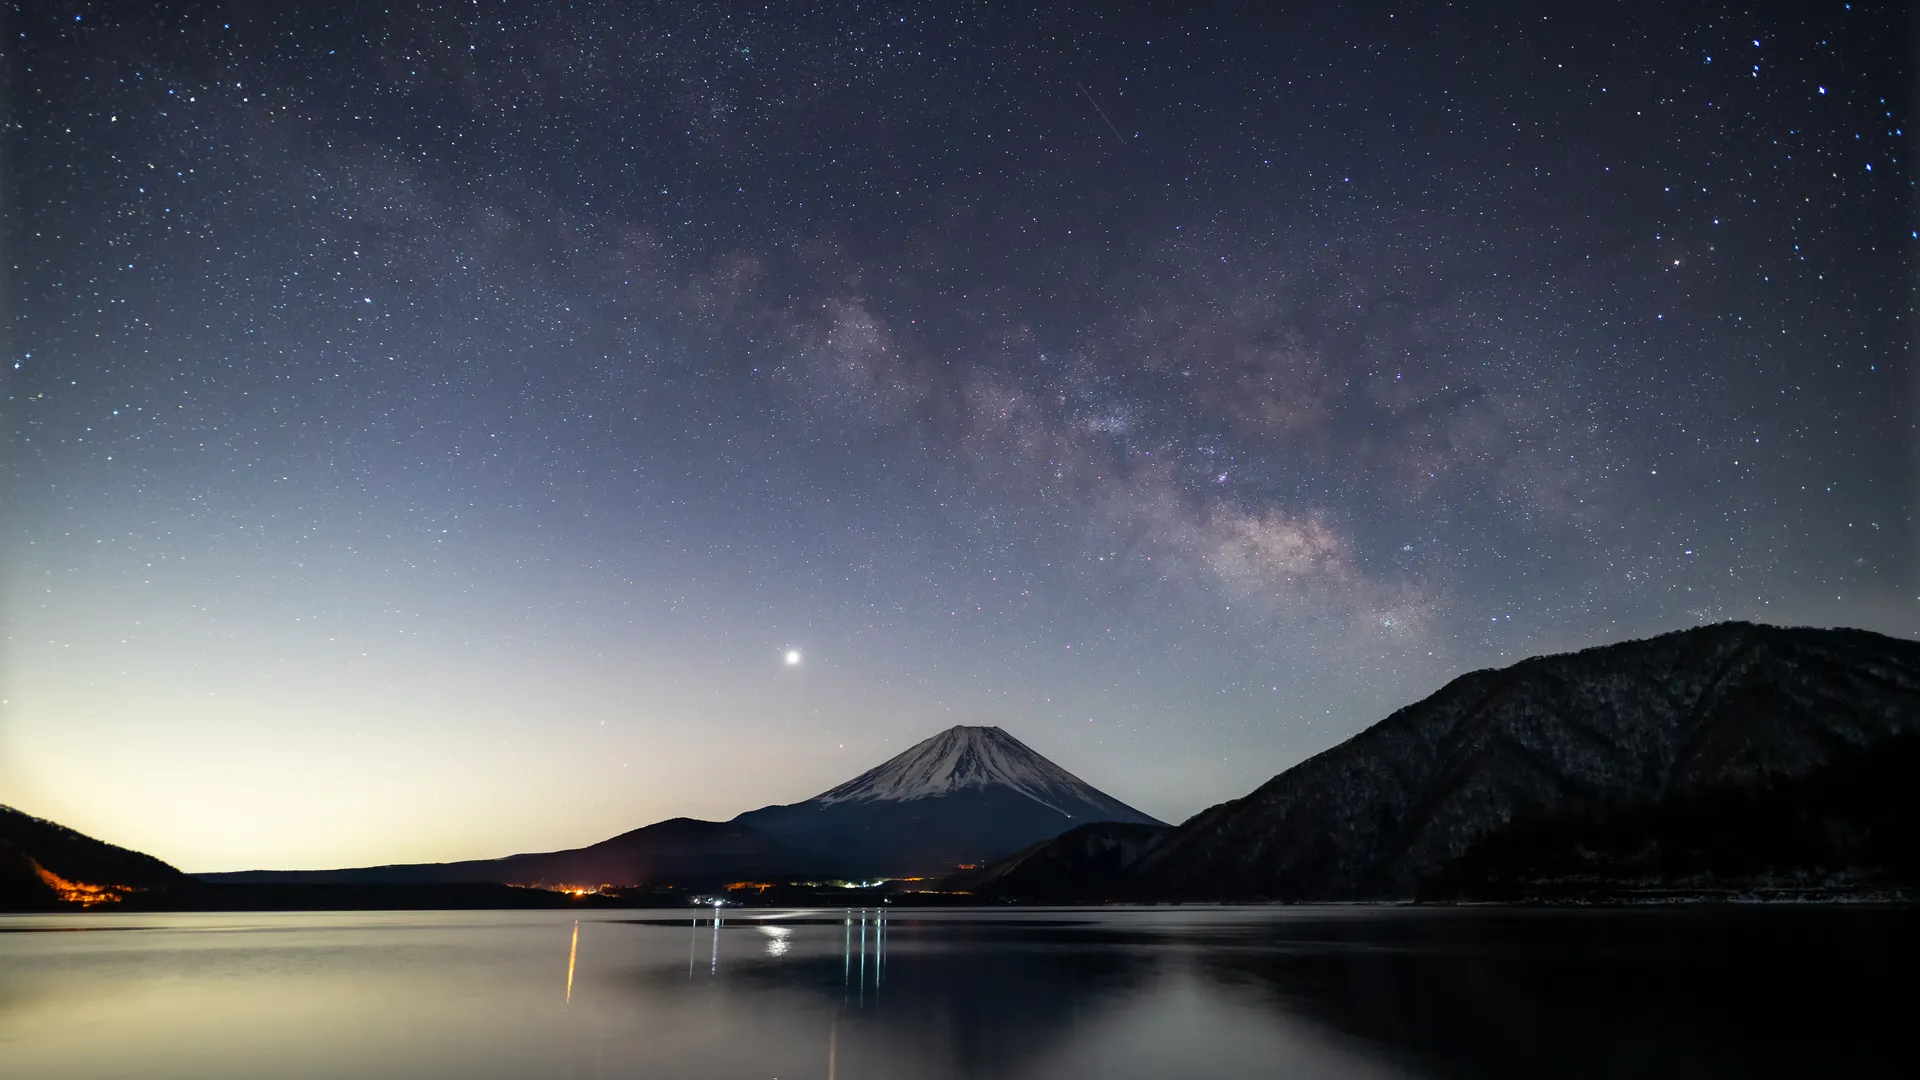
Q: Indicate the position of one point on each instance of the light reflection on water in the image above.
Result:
(573, 953)
(854, 995)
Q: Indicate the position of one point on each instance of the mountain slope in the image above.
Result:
(966, 795)
(1634, 724)
(1086, 865)
(1848, 825)
(44, 865)
(681, 851)
(962, 758)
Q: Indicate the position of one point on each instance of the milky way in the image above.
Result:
(429, 432)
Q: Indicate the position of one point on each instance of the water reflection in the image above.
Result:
(1123, 994)
(573, 951)
(854, 951)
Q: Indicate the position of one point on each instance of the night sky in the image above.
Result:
(427, 431)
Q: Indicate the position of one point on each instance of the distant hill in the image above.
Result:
(1091, 864)
(966, 795)
(1732, 756)
(44, 865)
(679, 850)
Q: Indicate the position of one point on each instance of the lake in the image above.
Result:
(850, 995)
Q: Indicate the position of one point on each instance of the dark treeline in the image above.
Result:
(1849, 825)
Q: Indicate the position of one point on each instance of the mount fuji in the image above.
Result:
(966, 795)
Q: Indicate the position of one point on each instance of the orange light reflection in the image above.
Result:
(572, 953)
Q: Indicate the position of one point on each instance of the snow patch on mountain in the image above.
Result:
(960, 758)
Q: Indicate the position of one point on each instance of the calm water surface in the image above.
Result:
(1201, 993)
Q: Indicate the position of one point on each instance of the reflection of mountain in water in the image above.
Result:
(1703, 992)
(1326, 992)
(987, 1001)
(961, 999)
(1198, 994)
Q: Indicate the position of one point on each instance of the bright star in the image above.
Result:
(793, 657)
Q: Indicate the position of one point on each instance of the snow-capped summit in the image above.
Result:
(967, 757)
(967, 794)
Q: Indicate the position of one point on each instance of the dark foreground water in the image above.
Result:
(1190, 993)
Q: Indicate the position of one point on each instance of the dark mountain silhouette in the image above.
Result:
(1090, 864)
(1728, 756)
(969, 794)
(679, 850)
(44, 865)
(1849, 824)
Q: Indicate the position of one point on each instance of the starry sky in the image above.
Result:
(428, 429)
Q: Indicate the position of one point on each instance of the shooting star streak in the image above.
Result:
(572, 954)
(1103, 114)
